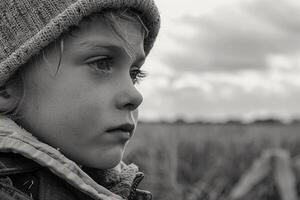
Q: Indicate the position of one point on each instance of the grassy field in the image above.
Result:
(204, 161)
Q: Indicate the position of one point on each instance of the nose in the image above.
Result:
(129, 98)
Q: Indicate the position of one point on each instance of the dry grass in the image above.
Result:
(205, 161)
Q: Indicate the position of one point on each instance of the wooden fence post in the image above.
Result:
(259, 170)
(284, 176)
(277, 161)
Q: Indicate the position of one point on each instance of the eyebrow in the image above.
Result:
(95, 45)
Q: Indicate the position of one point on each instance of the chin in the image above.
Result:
(105, 160)
(105, 164)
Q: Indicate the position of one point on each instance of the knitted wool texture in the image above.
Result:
(27, 26)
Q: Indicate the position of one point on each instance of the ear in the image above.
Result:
(10, 94)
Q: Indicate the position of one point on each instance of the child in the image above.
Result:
(68, 101)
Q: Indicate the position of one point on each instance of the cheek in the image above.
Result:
(77, 110)
(67, 109)
(135, 115)
(70, 103)
(83, 115)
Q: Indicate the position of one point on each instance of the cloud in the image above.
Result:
(236, 38)
(221, 102)
(240, 60)
(245, 94)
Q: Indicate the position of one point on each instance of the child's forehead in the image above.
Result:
(98, 33)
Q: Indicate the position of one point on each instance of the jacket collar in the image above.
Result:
(15, 139)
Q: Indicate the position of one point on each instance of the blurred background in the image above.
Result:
(223, 86)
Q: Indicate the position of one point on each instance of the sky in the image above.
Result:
(224, 59)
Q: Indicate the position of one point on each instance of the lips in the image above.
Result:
(124, 128)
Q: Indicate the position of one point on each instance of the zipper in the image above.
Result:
(137, 194)
(137, 180)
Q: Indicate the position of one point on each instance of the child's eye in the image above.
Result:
(137, 75)
(101, 64)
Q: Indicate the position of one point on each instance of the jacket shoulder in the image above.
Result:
(9, 192)
(14, 165)
(11, 163)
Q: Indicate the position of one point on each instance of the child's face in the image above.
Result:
(92, 93)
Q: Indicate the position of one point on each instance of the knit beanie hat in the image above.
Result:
(27, 26)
